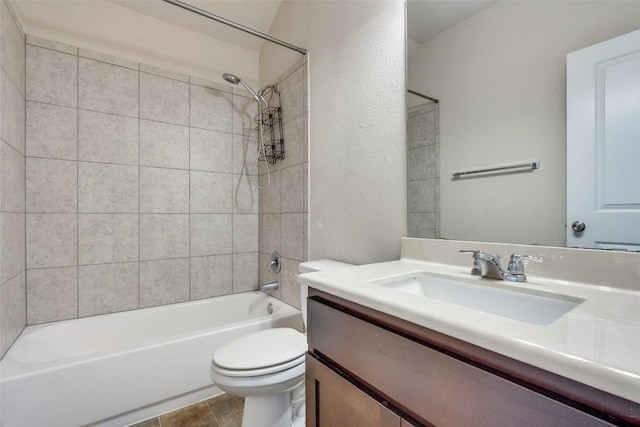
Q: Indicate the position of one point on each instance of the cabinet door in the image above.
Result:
(338, 403)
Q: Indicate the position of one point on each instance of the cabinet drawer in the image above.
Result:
(431, 386)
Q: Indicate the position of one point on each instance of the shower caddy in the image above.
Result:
(271, 117)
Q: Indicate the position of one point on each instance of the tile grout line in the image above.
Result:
(189, 187)
(139, 215)
(77, 187)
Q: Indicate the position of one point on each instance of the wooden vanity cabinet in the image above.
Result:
(366, 368)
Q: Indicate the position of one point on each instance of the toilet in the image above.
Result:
(267, 367)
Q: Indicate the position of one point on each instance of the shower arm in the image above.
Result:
(236, 25)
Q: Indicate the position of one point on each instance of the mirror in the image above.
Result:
(498, 69)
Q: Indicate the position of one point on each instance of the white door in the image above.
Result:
(603, 144)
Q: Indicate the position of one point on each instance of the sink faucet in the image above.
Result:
(488, 265)
(272, 286)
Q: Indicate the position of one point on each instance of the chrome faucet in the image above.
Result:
(488, 265)
(272, 286)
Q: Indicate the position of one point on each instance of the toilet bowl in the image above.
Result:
(267, 368)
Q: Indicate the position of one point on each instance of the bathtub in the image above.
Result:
(116, 369)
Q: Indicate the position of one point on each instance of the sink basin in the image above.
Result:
(534, 307)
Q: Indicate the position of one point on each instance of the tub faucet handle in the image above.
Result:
(275, 266)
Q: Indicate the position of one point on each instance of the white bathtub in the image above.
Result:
(116, 369)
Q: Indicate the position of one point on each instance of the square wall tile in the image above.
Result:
(107, 138)
(292, 189)
(210, 192)
(211, 234)
(422, 224)
(289, 287)
(211, 276)
(164, 100)
(245, 233)
(52, 240)
(245, 272)
(164, 282)
(109, 59)
(50, 44)
(164, 73)
(52, 294)
(164, 190)
(421, 163)
(270, 237)
(12, 246)
(106, 238)
(12, 119)
(13, 310)
(244, 152)
(52, 77)
(52, 131)
(164, 236)
(107, 288)
(270, 198)
(211, 109)
(292, 95)
(12, 54)
(245, 195)
(244, 111)
(52, 186)
(164, 145)
(210, 150)
(294, 139)
(107, 88)
(293, 236)
(421, 195)
(12, 180)
(104, 188)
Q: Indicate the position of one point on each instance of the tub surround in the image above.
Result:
(12, 179)
(595, 343)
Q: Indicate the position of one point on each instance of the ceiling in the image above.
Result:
(428, 18)
(425, 18)
(255, 14)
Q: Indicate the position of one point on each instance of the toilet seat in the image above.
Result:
(261, 353)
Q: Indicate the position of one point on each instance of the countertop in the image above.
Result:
(597, 343)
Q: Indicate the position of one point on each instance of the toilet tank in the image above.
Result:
(311, 266)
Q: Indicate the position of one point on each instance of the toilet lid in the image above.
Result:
(261, 349)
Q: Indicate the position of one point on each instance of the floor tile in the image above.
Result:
(152, 422)
(225, 404)
(196, 415)
(233, 420)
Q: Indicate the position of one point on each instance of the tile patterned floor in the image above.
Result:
(223, 410)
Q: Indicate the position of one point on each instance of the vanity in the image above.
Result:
(383, 353)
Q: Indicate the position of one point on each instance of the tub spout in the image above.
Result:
(270, 286)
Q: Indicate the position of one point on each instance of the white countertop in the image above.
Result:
(596, 343)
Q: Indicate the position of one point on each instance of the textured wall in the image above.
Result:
(12, 180)
(357, 146)
(137, 185)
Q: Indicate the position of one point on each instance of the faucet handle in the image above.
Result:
(515, 269)
(477, 267)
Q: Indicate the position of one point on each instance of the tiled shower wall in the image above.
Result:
(12, 180)
(283, 206)
(423, 171)
(137, 185)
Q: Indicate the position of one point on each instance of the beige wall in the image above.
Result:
(106, 27)
(357, 152)
(500, 76)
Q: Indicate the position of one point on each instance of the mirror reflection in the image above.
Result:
(499, 72)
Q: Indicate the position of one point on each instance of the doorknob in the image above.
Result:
(578, 226)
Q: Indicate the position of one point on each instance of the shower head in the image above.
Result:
(233, 79)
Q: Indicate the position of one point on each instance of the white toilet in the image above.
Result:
(267, 368)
